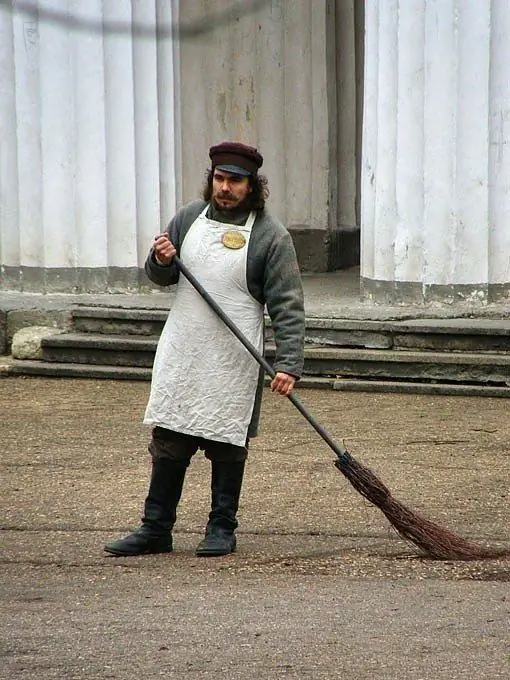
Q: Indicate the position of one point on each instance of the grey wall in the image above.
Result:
(277, 80)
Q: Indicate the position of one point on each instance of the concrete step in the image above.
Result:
(453, 367)
(462, 334)
(459, 334)
(100, 349)
(119, 320)
(65, 370)
(382, 364)
(75, 370)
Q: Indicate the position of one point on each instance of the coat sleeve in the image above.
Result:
(283, 294)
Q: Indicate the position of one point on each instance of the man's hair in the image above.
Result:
(255, 200)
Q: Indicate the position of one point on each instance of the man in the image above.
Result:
(206, 388)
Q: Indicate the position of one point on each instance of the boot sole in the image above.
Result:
(215, 553)
(148, 551)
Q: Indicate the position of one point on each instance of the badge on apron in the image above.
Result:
(233, 239)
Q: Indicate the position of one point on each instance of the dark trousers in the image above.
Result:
(182, 447)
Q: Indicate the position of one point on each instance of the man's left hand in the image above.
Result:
(283, 383)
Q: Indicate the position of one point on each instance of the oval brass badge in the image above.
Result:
(233, 239)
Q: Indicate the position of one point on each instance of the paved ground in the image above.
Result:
(320, 588)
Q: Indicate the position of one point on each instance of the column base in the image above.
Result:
(416, 293)
(75, 280)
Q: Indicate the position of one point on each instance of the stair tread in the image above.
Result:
(82, 340)
(35, 367)
(148, 343)
(130, 313)
(42, 368)
(409, 355)
(432, 325)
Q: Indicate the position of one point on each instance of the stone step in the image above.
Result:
(382, 364)
(119, 320)
(63, 370)
(452, 367)
(75, 370)
(100, 349)
(459, 334)
(462, 334)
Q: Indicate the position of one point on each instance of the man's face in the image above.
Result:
(228, 190)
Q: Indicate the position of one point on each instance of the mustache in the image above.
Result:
(226, 195)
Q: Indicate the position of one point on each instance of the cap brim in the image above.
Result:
(234, 169)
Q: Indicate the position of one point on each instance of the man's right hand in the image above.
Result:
(164, 249)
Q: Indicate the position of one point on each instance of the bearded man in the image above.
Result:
(206, 388)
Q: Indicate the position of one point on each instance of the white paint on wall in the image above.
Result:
(29, 232)
(90, 199)
(499, 145)
(369, 140)
(87, 156)
(436, 166)
(56, 76)
(120, 138)
(408, 252)
(439, 134)
(385, 204)
(168, 123)
(9, 218)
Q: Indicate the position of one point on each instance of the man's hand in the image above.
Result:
(283, 383)
(164, 249)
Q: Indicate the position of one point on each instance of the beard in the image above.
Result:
(238, 209)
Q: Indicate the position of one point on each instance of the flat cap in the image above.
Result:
(235, 157)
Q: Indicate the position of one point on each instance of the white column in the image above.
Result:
(90, 151)
(120, 140)
(167, 118)
(28, 149)
(145, 72)
(87, 157)
(9, 219)
(499, 149)
(434, 169)
(57, 147)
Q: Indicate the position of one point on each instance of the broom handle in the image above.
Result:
(256, 354)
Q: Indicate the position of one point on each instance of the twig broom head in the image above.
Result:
(436, 542)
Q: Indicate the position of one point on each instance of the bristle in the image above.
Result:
(436, 542)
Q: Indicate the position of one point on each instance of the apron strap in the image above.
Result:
(251, 220)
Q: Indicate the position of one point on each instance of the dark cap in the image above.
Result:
(235, 157)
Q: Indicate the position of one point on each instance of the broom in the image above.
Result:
(436, 542)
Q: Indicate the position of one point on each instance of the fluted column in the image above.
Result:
(9, 206)
(435, 166)
(87, 160)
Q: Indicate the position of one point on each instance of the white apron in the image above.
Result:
(204, 380)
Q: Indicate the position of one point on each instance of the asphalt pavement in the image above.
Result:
(321, 586)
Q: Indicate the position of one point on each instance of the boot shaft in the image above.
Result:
(165, 490)
(226, 485)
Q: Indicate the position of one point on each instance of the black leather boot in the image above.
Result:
(226, 482)
(154, 535)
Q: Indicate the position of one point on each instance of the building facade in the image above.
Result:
(384, 126)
